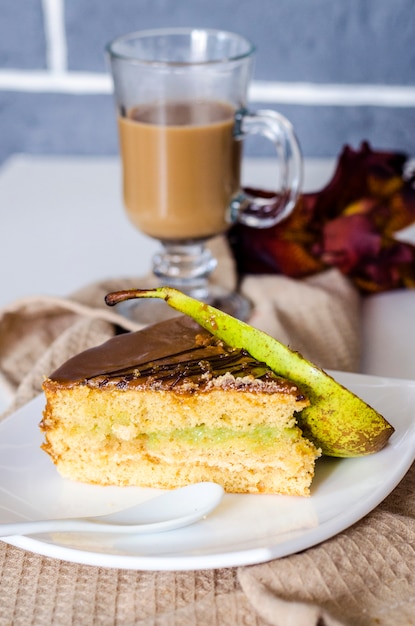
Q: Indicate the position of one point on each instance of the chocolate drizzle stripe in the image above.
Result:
(197, 371)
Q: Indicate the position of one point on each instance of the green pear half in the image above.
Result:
(337, 421)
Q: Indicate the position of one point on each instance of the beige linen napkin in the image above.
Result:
(363, 576)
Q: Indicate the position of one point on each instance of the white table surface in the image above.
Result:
(63, 226)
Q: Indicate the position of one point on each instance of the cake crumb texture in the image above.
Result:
(245, 440)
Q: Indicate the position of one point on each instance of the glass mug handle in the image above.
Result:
(268, 210)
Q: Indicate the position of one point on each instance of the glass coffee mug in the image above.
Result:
(182, 118)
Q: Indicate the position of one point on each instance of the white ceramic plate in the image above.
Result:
(244, 529)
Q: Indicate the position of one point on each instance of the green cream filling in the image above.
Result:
(201, 435)
(204, 436)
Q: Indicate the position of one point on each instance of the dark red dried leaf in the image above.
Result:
(349, 224)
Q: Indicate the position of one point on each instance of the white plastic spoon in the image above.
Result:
(174, 509)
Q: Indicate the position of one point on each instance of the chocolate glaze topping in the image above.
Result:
(165, 339)
(176, 353)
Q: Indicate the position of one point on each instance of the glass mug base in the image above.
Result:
(146, 312)
(186, 266)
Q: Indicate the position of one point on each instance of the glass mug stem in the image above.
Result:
(186, 266)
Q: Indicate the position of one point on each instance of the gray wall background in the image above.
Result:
(340, 70)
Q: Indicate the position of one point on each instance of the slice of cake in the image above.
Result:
(172, 405)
